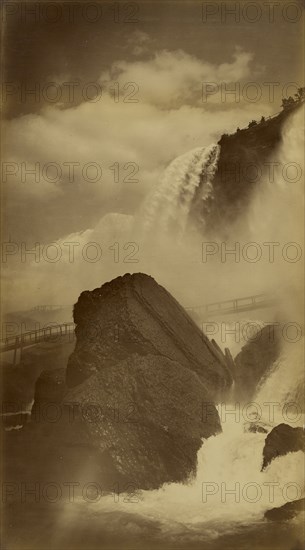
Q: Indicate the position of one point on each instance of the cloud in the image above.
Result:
(174, 78)
(139, 43)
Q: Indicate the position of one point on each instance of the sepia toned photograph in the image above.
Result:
(152, 275)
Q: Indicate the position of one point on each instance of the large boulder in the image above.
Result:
(18, 382)
(287, 511)
(137, 399)
(50, 389)
(255, 360)
(281, 440)
(149, 414)
(134, 315)
(149, 375)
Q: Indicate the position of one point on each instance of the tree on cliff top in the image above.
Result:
(287, 102)
(300, 95)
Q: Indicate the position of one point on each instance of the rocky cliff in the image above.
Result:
(242, 163)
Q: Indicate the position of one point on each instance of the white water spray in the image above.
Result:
(168, 207)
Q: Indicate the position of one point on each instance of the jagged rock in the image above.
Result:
(137, 347)
(137, 401)
(281, 440)
(255, 360)
(133, 314)
(146, 413)
(18, 382)
(256, 427)
(287, 511)
(50, 388)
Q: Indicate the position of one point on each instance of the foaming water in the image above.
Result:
(229, 488)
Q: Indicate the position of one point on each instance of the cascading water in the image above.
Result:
(167, 208)
(229, 491)
(280, 387)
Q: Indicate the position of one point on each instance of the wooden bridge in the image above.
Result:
(54, 333)
(48, 308)
(51, 334)
(247, 303)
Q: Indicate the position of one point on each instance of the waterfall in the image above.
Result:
(167, 208)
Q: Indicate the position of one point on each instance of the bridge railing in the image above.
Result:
(235, 304)
(31, 337)
(48, 307)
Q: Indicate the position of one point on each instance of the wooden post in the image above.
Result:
(15, 350)
(230, 363)
(21, 346)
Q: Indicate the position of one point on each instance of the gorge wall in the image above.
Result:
(244, 161)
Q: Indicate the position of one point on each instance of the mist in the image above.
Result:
(162, 240)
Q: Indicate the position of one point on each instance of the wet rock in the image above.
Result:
(151, 376)
(255, 360)
(287, 511)
(137, 399)
(256, 427)
(50, 388)
(148, 414)
(281, 440)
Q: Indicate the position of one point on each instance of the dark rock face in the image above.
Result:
(49, 388)
(146, 413)
(18, 382)
(255, 360)
(281, 440)
(136, 400)
(256, 427)
(148, 370)
(134, 315)
(287, 511)
(242, 162)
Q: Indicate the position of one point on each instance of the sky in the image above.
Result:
(121, 89)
